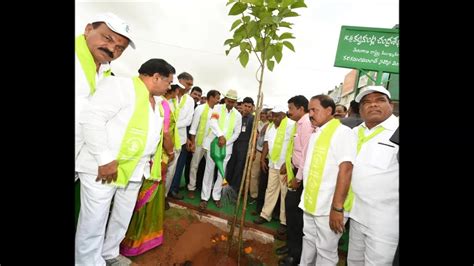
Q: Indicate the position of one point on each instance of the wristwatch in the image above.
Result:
(337, 209)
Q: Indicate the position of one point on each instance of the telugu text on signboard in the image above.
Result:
(368, 48)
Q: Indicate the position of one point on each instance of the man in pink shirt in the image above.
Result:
(297, 111)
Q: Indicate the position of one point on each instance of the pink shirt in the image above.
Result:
(167, 111)
(304, 129)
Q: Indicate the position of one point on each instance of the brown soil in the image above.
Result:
(187, 241)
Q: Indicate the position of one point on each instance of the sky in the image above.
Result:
(190, 35)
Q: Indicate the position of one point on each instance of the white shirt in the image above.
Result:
(217, 132)
(197, 120)
(82, 96)
(270, 136)
(375, 180)
(185, 116)
(342, 148)
(104, 121)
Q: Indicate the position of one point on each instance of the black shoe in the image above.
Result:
(282, 250)
(260, 220)
(282, 237)
(175, 195)
(167, 205)
(282, 229)
(287, 261)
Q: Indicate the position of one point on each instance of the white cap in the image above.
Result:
(279, 108)
(179, 84)
(231, 94)
(370, 89)
(116, 24)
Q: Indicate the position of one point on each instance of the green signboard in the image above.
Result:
(368, 48)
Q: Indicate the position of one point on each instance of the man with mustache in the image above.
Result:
(104, 40)
(374, 226)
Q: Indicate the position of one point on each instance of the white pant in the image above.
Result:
(197, 156)
(367, 247)
(91, 247)
(209, 177)
(170, 171)
(319, 241)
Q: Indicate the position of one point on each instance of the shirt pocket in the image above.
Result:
(381, 155)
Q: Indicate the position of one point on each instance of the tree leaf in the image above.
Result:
(235, 24)
(230, 2)
(237, 8)
(291, 14)
(269, 52)
(227, 52)
(246, 19)
(270, 64)
(228, 41)
(298, 4)
(289, 45)
(278, 55)
(245, 46)
(286, 35)
(244, 58)
(286, 3)
(286, 24)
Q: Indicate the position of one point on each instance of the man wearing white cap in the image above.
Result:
(275, 147)
(374, 226)
(225, 124)
(105, 38)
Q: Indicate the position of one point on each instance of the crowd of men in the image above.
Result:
(317, 165)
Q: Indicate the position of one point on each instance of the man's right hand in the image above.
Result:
(264, 166)
(222, 141)
(190, 145)
(108, 172)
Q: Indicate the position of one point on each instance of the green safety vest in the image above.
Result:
(279, 139)
(361, 140)
(289, 153)
(318, 163)
(230, 127)
(155, 173)
(177, 110)
(202, 125)
(134, 139)
(87, 62)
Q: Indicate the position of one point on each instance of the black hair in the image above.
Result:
(299, 101)
(343, 106)
(248, 100)
(326, 101)
(185, 75)
(212, 93)
(354, 107)
(196, 88)
(160, 66)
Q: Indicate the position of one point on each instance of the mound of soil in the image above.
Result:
(187, 241)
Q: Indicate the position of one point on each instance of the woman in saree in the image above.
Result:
(146, 226)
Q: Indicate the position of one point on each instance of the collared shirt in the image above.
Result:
(270, 136)
(217, 132)
(104, 121)
(82, 96)
(185, 116)
(343, 148)
(304, 129)
(261, 136)
(375, 180)
(197, 120)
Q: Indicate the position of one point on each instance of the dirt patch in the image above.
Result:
(187, 241)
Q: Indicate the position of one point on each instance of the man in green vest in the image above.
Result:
(122, 131)
(183, 110)
(199, 128)
(104, 40)
(275, 145)
(327, 174)
(225, 124)
(374, 226)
